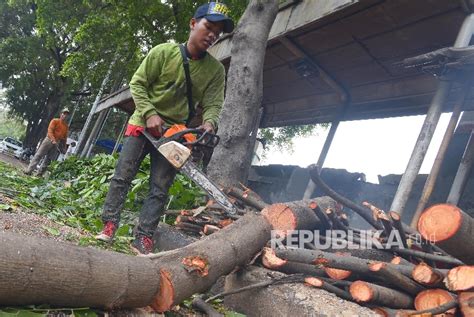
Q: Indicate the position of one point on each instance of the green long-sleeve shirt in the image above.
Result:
(159, 86)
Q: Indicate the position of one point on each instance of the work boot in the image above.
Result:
(142, 245)
(108, 232)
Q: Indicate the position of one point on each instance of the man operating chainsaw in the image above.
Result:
(160, 91)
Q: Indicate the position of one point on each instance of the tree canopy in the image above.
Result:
(55, 53)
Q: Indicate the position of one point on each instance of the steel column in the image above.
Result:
(310, 188)
(80, 142)
(120, 137)
(448, 135)
(429, 126)
(463, 173)
(96, 131)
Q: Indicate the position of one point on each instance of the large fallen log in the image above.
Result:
(451, 229)
(35, 271)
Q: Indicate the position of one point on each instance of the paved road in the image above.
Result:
(12, 161)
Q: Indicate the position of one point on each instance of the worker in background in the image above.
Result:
(53, 143)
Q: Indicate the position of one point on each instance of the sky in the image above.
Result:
(373, 147)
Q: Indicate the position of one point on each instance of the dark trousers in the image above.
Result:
(162, 175)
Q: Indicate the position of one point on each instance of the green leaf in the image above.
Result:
(123, 230)
(5, 207)
(52, 231)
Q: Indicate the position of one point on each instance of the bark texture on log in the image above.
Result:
(272, 262)
(397, 279)
(451, 229)
(371, 293)
(230, 162)
(36, 271)
(325, 259)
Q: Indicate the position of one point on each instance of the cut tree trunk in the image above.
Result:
(460, 278)
(426, 275)
(326, 259)
(231, 160)
(332, 260)
(433, 298)
(272, 262)
(397, 279)
(248, 197)
(34, 271)
(451, 229)
(365, 292)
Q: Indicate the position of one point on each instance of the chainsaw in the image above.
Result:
(176, 146)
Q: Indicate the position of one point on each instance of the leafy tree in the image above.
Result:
(11, 126)
(55, 53)
(282, 137)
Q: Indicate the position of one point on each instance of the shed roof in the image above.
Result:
(359, 45)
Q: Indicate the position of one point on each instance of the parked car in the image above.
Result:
(9, 145)
(25, 154)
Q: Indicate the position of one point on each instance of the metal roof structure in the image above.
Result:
(321, 52)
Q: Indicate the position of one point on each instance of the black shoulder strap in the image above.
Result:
(189, 89)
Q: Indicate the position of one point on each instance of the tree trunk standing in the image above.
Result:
(232, 158)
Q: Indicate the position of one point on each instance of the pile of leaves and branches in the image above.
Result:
(73, 194)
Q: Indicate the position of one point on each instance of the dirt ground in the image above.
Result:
(12, 161)
(14, 219)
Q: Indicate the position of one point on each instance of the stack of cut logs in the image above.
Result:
(431, 273)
